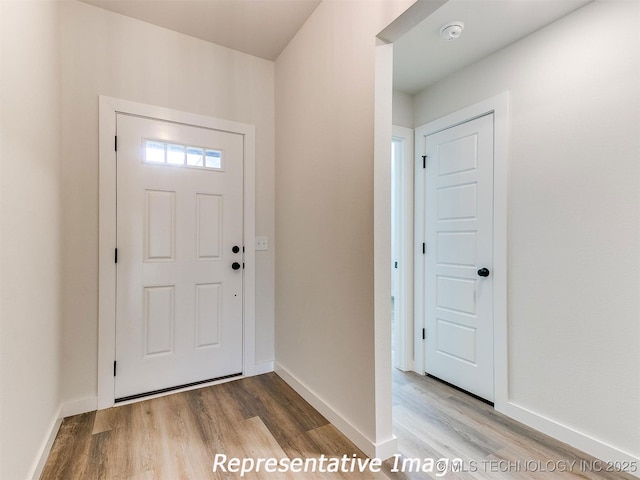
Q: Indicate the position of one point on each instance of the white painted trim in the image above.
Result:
(77, 407)
(45, 449)
(570, 436)
(108, 107)
(500, 248)
(418, 270)
(66, 410)
(383, 93)
(249, 228)
(384, 449)
(404, 302)
(262, 368)
(106, 244)
(499, 106)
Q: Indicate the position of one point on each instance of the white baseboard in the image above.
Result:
(386, 449)
(66, 410)
(45, 448)
(262, 368)
(592, 446)
(374, 450)
(77, 407)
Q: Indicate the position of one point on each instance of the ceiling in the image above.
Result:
(257, 27)
(421, 57)
(264, 28)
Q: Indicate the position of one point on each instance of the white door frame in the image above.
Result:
(499, 106)
(404, 212)
(108, 108)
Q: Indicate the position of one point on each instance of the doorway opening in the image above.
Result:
(459, 258)
(534, 122)
(386, 55)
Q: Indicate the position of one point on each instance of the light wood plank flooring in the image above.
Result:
(177, 436)
(436, 421)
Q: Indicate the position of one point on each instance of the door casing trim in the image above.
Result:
(108, 108)
(403, 308)
(499, 106)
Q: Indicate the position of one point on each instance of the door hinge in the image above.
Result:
(115, 143)
(115, 256)
(424, 248)
(114, 367)
(395, 264)
(424, 161)
(424, 333)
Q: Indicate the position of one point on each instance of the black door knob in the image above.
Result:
(235, 265)
(483, 272)
(235, 249)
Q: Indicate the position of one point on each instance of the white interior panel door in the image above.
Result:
(180, 255)
(458, 228)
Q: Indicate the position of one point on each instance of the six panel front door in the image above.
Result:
(179, 255)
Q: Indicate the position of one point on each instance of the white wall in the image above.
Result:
(30, 268)
(104, 53)
(574, 216)
(324, 205)
(402, 109)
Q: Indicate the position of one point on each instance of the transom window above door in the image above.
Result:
(174, 154)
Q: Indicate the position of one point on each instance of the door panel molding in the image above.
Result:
(458, 302)
(108, 108)
(191, 218)
(499, 106)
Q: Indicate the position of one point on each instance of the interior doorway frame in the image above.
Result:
(402, 209)
(499, 107)
(108, 108)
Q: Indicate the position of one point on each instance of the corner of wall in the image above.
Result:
(337, 419)
(45, 448)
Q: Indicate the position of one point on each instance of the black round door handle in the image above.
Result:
(483, 272)
(235, 249)
(235, 265)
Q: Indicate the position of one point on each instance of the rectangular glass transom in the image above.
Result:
(164, 153)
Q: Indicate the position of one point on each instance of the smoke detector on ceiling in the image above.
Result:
(452, 30)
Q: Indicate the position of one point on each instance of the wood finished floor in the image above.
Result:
(434, 420)
(177, 436)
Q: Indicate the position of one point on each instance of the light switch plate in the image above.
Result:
(262, 243)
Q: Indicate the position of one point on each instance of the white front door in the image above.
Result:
(458, 226)
(179, 255)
